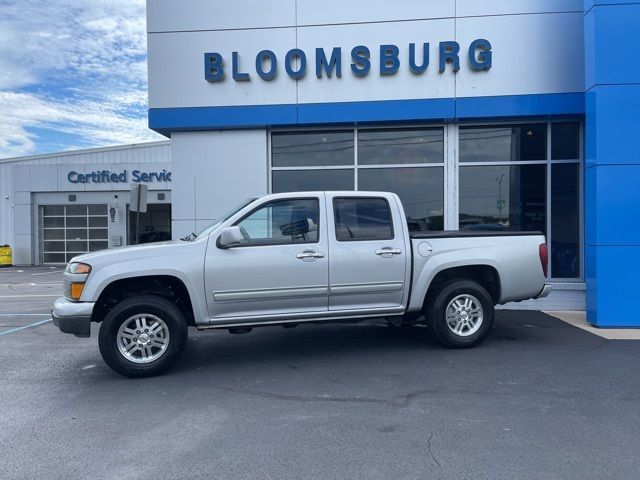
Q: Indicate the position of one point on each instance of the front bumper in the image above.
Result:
(546, 290)
(72, 317)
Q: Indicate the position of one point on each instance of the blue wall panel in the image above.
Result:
(613, 203)
(612, 176)
(167, 120)
(611, 283)
(612, 44)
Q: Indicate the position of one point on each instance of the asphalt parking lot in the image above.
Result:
(540, 399)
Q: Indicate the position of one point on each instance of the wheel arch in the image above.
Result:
(166, 286)
(485, 274)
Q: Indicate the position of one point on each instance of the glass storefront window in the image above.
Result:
(420, 189)
(503, 197)
(565, 141)
(502, 182)
(565, 220)
(312, 149)
(503, 143)
(311, 180)
(400, 146)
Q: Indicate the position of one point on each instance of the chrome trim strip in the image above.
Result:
(365, 288)
(267, 294)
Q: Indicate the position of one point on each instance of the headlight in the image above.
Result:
(78, 267)
(75, 277)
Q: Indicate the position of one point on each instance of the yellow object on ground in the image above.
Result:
(5, 256)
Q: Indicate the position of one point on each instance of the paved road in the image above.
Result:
(539, 400)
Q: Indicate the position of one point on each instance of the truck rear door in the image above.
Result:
(368, 253)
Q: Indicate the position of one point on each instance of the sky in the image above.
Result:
(73, 74)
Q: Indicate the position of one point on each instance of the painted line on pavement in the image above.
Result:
(31, 325)
(24, 314)
(22, 296)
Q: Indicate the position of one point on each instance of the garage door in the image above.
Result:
(69, 230)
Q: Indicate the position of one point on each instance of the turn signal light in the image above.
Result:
(76, 290)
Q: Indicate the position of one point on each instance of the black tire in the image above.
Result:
(436, 313)
(159, 307)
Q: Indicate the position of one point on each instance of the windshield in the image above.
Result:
(224, 218)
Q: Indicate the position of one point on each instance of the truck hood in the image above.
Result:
(119, 254)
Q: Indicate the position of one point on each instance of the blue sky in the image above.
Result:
(73, 74)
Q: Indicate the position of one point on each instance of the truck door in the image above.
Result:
(281, 266)
(367, 253)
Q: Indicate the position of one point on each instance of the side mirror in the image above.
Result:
(230, 237)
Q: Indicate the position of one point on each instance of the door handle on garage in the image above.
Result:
(309, 255)
(388, 252)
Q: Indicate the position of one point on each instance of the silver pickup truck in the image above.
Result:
(292, 258)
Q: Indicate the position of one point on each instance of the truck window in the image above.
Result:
(281, 222)
(360, 218)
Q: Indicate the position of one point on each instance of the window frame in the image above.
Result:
(368, 197)
(259, 207)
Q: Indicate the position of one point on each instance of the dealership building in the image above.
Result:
(495, 115)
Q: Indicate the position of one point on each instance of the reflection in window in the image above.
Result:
(362, 219)
(312, 149)
(400, 146)
(420, 189)
(565, 141)
(503, 143)
(311, 180)
(565, 221)
(281, 222)
(503, 198)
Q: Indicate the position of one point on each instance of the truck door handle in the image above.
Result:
(388, 252)
(309, 255)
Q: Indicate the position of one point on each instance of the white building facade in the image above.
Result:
(56, 206)
(473, 112)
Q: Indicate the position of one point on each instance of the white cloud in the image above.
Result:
(76, 67)
(95, 123)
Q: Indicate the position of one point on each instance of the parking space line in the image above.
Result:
(22, 296)
(31, 325)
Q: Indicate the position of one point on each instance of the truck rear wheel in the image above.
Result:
(460, 314)
(143, 336)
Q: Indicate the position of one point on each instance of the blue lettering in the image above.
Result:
(288, 63)
(484, 58)
(168, 176)
(449, 53)
(334, 63)
(213, 69)
(237, 76)
(82, 178)
(389, 62)
(260, 60)
(123, 177)
(135, 175)
(144, 177)
(413, 66)
(114, 178)
(361, 64)
(71, 177)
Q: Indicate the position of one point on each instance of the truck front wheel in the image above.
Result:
(143, 336)
(460, 314)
